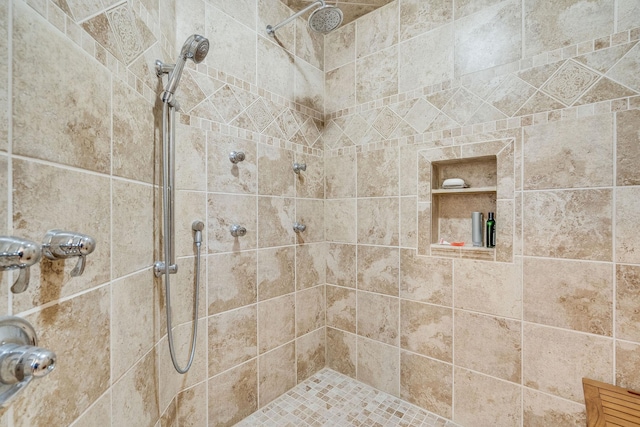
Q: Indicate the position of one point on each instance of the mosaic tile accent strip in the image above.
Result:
(331, 399)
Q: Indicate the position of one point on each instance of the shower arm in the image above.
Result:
(272, 30)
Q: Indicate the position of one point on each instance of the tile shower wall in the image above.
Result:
(501, 343)
(80, 149)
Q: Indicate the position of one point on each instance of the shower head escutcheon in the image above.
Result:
(324, 19)
(194, 48)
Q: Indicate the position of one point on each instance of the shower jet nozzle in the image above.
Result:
(324, 19)
(195, 48)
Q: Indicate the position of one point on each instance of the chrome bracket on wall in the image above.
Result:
(20, 359)
(60, 244)
(21, 254)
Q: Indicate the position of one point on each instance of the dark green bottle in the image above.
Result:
(491, 231)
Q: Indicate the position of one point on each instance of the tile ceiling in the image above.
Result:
(352, 9)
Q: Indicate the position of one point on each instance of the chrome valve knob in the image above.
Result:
(298, 227)
(237, 230)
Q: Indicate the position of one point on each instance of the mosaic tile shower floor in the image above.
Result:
(330, 399)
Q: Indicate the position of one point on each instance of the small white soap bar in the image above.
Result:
(454, 183)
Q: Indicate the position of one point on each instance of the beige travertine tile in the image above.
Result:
(233, 282)
(341, 352)
(234, 51)
(377, 317)
(427, 329)
(310, 213)
(170, 382)
(569, 153)
(416, 69)
(339, 86)
(539, 103)
(132, 213)
(467, 7)
(377, 75)
(627, 217)
(409, 222)
(275, 73)
(169, 416)
(409, 170)
(555, 361)
(504, 230)
(378, 365)
(378, 221)
(192, 406)
(340, 220)
(275, 221)
(191, 159)
(426, 279)
(627, 149)
(277, 372)
(277, 164)
(341, 265)
(341, 308)
(225, 210)
(483, 400)
(377, 30)
(510, 95)
(310, 354)
(424, 229)
(41, 197)
(136, 393)
(542, 410)
(340, 47)
(569, 294)
(310, 310)
(604, 90)
(489, 287)
(77, 135)
(310, 183)
(233, 339)
(624, 70)
(4, 73)
(276, 322)
(627, 365)
(132, 320)
(310, 265)
(310, 46)
(241, 10)
(226, 177)
(490, 345)
(276, 272)
(98, 415)
(378, 269)
(628, 12)
(133, 135)
(489, 38)
(233, 395)
(549, 26)
(308, 85)
(418, 16)
(581, 222)
(75, 386)
(426, 383)
(627, 302)
(569, 82)
(378, 173)
(340, 179)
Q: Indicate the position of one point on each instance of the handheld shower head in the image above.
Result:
(195, 48)
(322, 20)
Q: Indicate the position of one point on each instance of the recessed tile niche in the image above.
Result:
(488, 170)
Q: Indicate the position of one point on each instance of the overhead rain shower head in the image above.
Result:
(195, 48)
(322, 20)
(325, 19)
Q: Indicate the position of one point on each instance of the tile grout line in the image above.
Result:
(9, 223)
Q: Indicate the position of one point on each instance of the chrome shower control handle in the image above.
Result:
(297, 167)
(60, 244)
(20, 363)
(236, 157)
(237, 230)
(18, 253)
(298, 227)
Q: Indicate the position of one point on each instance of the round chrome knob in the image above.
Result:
(237, 230)
(236, 157)
(298, 227)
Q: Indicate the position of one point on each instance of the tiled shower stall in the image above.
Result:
(549, 90)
